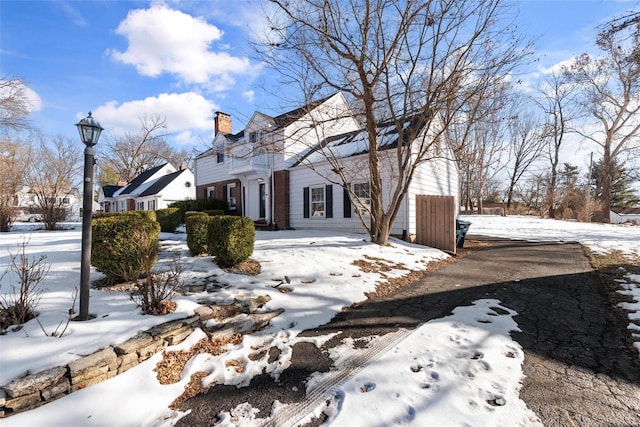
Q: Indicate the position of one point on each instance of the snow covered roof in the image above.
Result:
(139, 180)
(357, 142)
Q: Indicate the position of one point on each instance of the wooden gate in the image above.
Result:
(436, 222)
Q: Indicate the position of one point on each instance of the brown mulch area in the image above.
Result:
(169, 369)
(249, 267)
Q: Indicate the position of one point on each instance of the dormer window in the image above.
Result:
(220, 156)
(256, 137)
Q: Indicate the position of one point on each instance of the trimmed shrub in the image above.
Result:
(214, 212)
(198, 205)
(150, 215)
(231, 239)
(117, 245)
(169, 219)
(197, 224)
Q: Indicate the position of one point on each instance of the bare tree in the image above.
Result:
(14, 159)
(15, 105)
(621, 23)
(476, 131)
(610, 92)
(556, 95)
(397, 62)
(130, 154)
(525, 147)
(53, 177)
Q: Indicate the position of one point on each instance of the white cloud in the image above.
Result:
(10, 88)
(249, 96)
(186, 114)
(166, 40)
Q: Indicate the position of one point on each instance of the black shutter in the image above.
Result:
(224, 193)
(305, 202)
(346, 203)
(329, 201)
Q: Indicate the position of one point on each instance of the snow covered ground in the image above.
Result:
(459, 368)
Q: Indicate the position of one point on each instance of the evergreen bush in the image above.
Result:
(198, 205)
(169, 219)
(116, 249)
(231, 239)
(196, 224)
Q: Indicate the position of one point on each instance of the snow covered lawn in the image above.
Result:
(426, 373)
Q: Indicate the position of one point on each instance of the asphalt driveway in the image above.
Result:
(579, 367)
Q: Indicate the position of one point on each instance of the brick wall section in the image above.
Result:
(281, 199)
(201, 192)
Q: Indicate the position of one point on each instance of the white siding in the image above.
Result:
(208, 170)
(178, 190)
(437, 177)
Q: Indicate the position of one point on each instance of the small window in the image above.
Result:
(231, 196)
(362, 203)
(211, 192)
(220, 157)
(317, 201)
(187, 184)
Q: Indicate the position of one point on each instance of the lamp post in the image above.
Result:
(89, 130)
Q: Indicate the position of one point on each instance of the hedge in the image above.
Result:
(196, 224)
(118, 245)
(150, 215)
(198, 205)
(169, 219)
(231, 239)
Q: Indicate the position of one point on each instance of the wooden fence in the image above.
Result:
(436, 222)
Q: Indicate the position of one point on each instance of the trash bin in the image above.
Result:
(462, 227)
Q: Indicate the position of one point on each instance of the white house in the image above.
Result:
(627, 215)
(276, 171)
(151, 190)
(29, 209)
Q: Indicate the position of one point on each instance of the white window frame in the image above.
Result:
(211, 192)
(362, 199)
(232, 200)
(317, 214)
(140, 206)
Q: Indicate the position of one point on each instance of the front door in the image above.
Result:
(262, 200)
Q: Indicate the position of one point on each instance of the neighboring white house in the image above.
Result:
(631, 215)
(151, 190)
(28, 208)
(275, 171)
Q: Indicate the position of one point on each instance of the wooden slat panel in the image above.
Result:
(436, 222)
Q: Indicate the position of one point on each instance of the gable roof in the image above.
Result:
(627, 211)
(160, 183)
(140, 179)
(280, 121)
(108, 190)
(289, 117)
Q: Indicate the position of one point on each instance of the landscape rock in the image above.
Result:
(34, 383)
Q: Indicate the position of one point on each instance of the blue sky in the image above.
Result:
(188, 59)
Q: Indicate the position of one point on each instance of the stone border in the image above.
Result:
(34, 390)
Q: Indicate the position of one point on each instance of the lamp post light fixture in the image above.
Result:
(89, 130)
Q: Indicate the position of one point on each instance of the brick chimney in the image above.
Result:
(222, 123)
